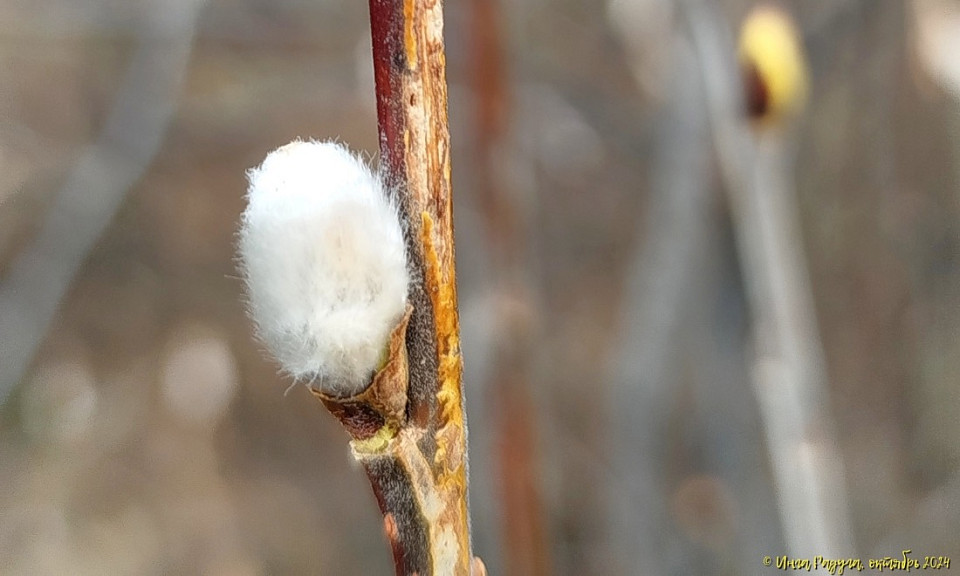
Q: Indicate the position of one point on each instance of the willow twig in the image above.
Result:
(409, 427)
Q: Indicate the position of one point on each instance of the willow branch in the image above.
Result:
(409, 426)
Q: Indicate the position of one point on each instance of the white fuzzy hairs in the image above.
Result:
(322, 252)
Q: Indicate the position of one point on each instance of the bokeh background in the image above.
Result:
(609, 341)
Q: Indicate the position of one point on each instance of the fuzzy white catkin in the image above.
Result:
(322, 251)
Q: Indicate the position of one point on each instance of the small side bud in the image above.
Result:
(321, 249)
(773, 64)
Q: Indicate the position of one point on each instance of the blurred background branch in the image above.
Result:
(513, 309)
(33, 285)
(668, 258)
(788, 365)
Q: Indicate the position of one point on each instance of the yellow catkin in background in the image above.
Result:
(770, 47)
